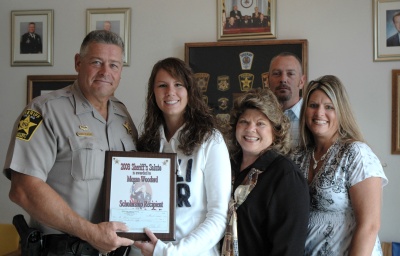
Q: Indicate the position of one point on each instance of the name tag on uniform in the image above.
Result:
(84, 134)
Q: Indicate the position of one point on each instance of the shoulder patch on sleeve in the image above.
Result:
(28, 124)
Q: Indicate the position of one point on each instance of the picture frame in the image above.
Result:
(248, 66)
(386, 46)
(32, 37)
(244, 21)
(118, 20)
(396, 111)
(140, 190)
(39, 84)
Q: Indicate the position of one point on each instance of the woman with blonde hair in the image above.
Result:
(345, 177)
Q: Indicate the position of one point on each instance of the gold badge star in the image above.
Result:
(25, 124)
(246, 83)
(223, 85)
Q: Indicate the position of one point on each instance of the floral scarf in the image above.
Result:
(230, 246)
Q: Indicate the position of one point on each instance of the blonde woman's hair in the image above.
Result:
(348, 128)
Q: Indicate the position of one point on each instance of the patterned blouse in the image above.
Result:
(332, 220)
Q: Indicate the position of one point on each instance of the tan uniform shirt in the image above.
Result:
(61, 139)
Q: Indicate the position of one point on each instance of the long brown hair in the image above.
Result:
(199, 122)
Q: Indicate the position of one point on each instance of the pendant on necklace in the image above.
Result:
(322, 158)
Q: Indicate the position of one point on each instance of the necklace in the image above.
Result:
(322, 158)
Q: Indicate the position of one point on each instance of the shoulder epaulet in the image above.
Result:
(43, 99)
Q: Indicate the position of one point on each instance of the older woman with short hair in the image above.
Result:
(268, 211)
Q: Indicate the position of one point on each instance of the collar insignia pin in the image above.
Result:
(128, 127)
(83, 127)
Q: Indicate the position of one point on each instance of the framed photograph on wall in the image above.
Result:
(396, 111)
(32, 38)
(118, 20)
(386, 30)
(246, 19)
(225, 70)
(40, 84)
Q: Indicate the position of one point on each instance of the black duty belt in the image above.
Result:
(61, 244)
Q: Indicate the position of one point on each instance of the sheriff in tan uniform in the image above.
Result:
(57, 153)
(62, 140)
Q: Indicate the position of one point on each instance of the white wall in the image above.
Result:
(339, 33)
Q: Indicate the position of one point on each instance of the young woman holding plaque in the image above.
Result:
(178, 121)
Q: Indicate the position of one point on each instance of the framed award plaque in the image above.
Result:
(140, 191)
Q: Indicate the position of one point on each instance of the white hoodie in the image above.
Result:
(203, 192)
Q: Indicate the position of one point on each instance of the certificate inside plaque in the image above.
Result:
(140, 191)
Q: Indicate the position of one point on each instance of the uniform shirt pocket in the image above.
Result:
(87, 158)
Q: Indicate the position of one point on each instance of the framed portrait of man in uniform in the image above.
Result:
(386, 30)
(116, 20)
(32, 38)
